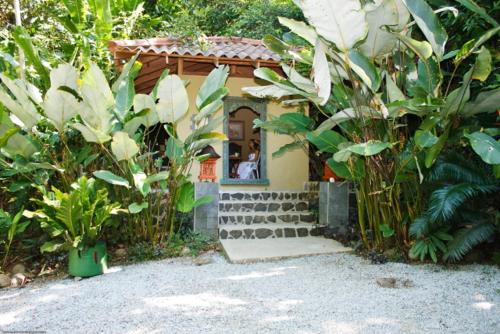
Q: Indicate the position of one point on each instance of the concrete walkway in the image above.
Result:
(255, 250)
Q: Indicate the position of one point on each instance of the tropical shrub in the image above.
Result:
(389, 115)
(75, 219)
(84, 126)
(459, 215)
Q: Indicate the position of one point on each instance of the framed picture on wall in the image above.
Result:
(236, 130)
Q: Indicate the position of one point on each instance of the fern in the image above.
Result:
(465, 239)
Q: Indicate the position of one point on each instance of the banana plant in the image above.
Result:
(363, 70)
(113, 121)
(167, 104)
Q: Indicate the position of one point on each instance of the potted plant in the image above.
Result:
(75, 221)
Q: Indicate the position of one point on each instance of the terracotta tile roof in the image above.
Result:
(219, 47)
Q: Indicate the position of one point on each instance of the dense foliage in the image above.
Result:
(83, 126)
(406, 95)
(395, 98)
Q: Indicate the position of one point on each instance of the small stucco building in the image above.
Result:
(193, 63)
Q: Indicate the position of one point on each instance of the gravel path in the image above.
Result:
(322, 294)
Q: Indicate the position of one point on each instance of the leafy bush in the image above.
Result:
(459, 215)
(75, 219)
(378, 79)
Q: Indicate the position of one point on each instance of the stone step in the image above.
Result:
(248, 218)
(269, 231)
(265, 195)
(260, 206)
(246, 251)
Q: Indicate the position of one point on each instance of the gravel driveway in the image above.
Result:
(322, 294)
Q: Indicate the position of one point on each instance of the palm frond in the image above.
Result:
(420, 226)
(456, 169)
(465, 239)
(444, 202)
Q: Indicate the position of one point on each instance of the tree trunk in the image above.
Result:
(17, 12)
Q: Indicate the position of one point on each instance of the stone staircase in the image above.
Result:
(267, 215)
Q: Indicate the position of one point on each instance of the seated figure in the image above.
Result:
(246, 168)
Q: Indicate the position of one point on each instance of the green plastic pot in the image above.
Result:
(91, 261)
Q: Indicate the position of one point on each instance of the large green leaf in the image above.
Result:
(425, 139)
(301, 123)
(393, 92)
(214, 81)
(97, 107)
(429, 24)
(275, 44)
(482, 67)
(60, 107)
(140, 179)
(391, 13)
(64, 75)
(365, 69)
(369, 148)
(433, 152)
(327, 141)
(270, 91)
(273, 77)
(342, 22)
(173, 99)
(321, 72)
(300, 29)
(124, 88)
(52, 246)
(23, 39)
(302, 82)
(13, 143)
(429, 76)
(185, 201)
(158, 177)
(347, 115)
(343, 169)
(92, 135)
(486, 102)
(97, 94)
(485, 146)
(137, 207)
(123, 147)
(421, 48)
(111, 178)
(287, 148)
(22, 106)
(174, 149)
(145, 102)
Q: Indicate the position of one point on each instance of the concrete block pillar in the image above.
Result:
(334, 207)
(206, 217)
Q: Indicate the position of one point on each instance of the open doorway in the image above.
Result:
(244, 156)
(244, 145)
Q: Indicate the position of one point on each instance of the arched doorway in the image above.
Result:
(243, 140)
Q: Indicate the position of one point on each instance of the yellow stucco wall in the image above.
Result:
(288, 172)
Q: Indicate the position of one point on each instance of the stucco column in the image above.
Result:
(206, 217)
(334, 207)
